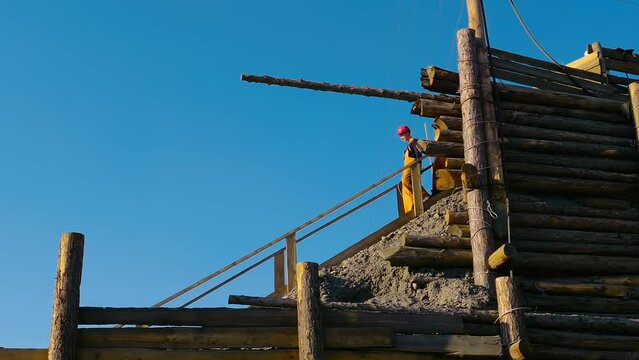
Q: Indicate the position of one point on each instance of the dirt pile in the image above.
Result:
(367, 278)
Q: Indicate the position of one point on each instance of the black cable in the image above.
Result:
(561, 67)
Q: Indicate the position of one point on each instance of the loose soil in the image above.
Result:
(367, 278)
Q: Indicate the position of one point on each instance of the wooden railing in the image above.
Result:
(285, 258)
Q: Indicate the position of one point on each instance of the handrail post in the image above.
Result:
(279, 283)
(416, 183)
(291, 260)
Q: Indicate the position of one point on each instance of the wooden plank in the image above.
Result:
(454, 345)
(251, 337)
(622, 66)
(588, 63)
(291, 260)
(226, 317)
(279, 282)
(634, 104)
(23, 354)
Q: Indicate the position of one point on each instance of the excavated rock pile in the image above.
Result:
(367, 278)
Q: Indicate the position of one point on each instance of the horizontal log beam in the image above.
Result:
(609, 165)
(225, 317)
(580, 289)
(448, 149)
(433, 108)
(540, 133)
(566, 206)
(347, 89)
(576, 248)
(585, 304)
(571, 148)
(413, 256)
(580, 340)
(573, 223)
(554, 235)
(508, 108)
(629, 280)
(448, 123)
(570, 172)
(442, 242)
(449, 136)
(452, 345)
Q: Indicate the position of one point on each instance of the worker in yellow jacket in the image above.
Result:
(414, 150)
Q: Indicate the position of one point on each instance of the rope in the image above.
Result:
(511, 311)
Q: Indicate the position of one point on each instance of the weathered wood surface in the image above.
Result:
(452, 123)
(449, 135)
(596, 127)
(459, 230)
(347, 89)
(585, 323)
(565, 206)
(475, 154)
(66, 298)
(580, 289)
(230, 337)
(531, 263)
(574, 223)
(225, 317)
(630, 280)
(447, 179)
(439, 80)
(553, 235)
(470, 177)
(511, 319)
(550, 352)
(570, 172)
(456, 217)
(453, 163)
(309, 313)
(576, 248)
(448, 242)
(501, 256)
(633, 89)
(611, 165)
(447, 149)
(454, 345)
(571, 148)
(414, 256)
(581, 340)
(559, 185)
(509, 108)
(582, 304)
(532, 132)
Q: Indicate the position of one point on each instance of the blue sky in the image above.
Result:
(127, 121)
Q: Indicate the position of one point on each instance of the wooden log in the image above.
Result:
(347, 89)
(570, 172)
(525, 118)
(469, 177)
(448, 123)
(447, 179)
(414, 256)
(571, 353)
(532, 132)
(23, 354)
(256, 317)
(511, 319)
(416, 185)
(566, 206)
(66, 298)
(440, 80)
(501, 256)
(453, 163)
(309, 314)
(605, 280)
(449, 136)
(605, 203)
(459, 230)
(456, 217)
(571, 148)
(553, 98)
(291, 260)
(559, 185)
(633, 89)
(433, 108)
(580, 289)
(532, 262)
(587, 237)
(580, 340)
(585, 304)
(279, 279)
(583, 323)
(531, 109)
(451, 345)
(229, 337)
(611, 165)
(622, 66)
(447, 149)
(474, 154)
(573, 223)
(444, 242)
(539, 83)
(576, 248)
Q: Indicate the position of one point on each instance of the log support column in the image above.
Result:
(511, 321)
(481, 235)
(66, 298)
(309, 314)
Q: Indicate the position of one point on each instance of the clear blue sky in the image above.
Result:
(127, 121)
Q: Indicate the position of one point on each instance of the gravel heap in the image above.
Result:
(367, 278)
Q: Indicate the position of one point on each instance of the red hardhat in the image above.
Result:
(403, 129)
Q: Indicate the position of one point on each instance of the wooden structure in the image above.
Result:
(551, 157)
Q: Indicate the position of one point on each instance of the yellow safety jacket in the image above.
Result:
(413, 151)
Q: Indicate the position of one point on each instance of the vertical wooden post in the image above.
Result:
(416, 183)
(634, 106)
(475, 18)
(309, 314)
(279, 283)
(66, 298)
(603, 69)
(511, 320)
(481, 235)
(291, 260)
